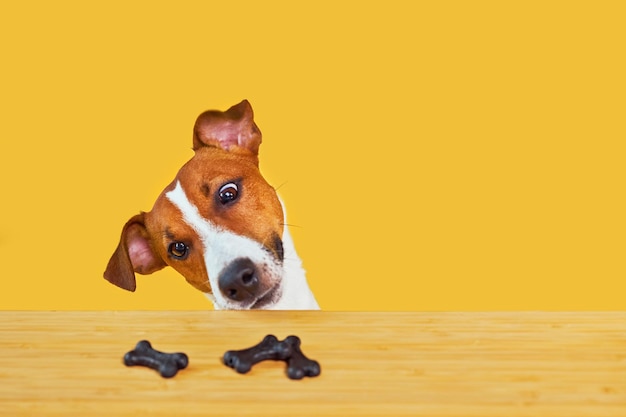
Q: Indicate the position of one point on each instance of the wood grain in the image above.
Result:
(373, 364)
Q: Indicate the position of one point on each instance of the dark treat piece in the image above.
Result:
(242, 360)
(298, 365)
(167, 364)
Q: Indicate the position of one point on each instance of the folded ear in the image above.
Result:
(133, 254)
(233, 128)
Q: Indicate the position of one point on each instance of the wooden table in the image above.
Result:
(373, 364)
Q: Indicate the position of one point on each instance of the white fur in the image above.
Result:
(296, 292)
(223, 246)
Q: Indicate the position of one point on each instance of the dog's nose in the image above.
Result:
(239, 280)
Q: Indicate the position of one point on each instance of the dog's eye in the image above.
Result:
(178, 250)
(228, 193)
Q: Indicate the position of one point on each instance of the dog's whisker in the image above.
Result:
(290, 225)
(280, 186)
(291, 258)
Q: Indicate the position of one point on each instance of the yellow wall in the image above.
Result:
(434, 155)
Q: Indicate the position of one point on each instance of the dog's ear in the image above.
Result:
(133, 254)
(233, 128)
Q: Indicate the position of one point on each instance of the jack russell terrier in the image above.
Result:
(219, 224)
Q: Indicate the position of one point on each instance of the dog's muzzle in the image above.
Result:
(240, 282)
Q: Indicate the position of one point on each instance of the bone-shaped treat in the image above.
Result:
(298, 365)
(167, 364)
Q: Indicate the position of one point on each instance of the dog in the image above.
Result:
(219, 224)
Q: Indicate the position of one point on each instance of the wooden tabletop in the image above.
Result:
(373, 364)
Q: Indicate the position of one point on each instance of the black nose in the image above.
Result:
(239, 281)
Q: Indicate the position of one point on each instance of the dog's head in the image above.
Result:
(219, 223)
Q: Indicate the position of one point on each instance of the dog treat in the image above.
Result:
(167, 364)
(298, 365)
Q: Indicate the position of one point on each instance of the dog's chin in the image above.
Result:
(264, 302)
(267, 300)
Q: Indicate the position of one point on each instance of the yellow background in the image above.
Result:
(459, 155)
